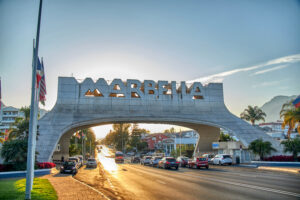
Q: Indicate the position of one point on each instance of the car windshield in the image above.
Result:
(226, 156)
(185, 158)
(69, 163)
(91, 159)
(171, 160)
(148, 157)
(202, 159)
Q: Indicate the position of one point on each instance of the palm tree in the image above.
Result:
(292, 146)
(253, 114)
(291, 117)
(261, 148)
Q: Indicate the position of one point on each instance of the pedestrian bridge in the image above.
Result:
(89, 103)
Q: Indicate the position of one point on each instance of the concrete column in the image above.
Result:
(64, 147)
(207, 135)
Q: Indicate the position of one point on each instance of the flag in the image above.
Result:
(296, 102)
(6, 135)
(41, 82)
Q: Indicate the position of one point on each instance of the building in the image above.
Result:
(155, 141)
(234, 148)
(274, 129)
(8, 117)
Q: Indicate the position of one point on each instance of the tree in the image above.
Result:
(225, 137)
(261, 148)
(1, 137)
(253, 114)
(292, 146)
(136, 136)
(291, 117)
(89, 142)
(171, 130)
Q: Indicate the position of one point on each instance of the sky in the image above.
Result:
(253, 47)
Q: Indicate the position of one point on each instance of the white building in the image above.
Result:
(184, 138)
(8, 116)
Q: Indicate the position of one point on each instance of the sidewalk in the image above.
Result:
(68, 188)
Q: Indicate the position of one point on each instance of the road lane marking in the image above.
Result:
(159, 181)
(249, 186)
(105, 197)
(229, 182)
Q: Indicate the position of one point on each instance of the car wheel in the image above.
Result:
(206, 167)
(198, 167)
(220, 163)
(176, 168)
(229, 163)
(165, 166)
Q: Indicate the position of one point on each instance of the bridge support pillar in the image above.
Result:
(207, 135)
(64, 144)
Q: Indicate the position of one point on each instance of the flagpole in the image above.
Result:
(33, 114)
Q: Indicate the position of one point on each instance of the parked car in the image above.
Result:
(135, 159)
(168, 162)
(222, 159)
(198, 163)
(119, 157)
(91, 162)
(209, 157)
(183, 161)
(75, 159)
(154, 161)
(69, 167)
(146, 160)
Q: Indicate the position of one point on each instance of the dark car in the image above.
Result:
(183, 161)
(168, 162)
(135, 159)
(119, 157)
(69, 167)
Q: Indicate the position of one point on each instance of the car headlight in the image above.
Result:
(61, 167)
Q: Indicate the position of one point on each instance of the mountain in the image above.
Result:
(273, 107)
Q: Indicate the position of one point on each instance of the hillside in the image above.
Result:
(272, 108)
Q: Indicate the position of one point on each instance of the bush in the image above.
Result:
(281, 158)
(45, 165)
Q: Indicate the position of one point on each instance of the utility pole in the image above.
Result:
(180, 142)
(33, 114)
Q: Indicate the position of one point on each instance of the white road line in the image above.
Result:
(93, 189)
(248, 186)
(159, 181)
(237, 184)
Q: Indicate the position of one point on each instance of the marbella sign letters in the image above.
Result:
(133, 88)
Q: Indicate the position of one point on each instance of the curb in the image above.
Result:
(17, 174)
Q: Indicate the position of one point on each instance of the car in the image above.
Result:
(154, 161)
(222, 159)
(135, 159)
(77, 160)
(168, 163)
(209, 157)
(69, 167)
(91, 162)
(80, 160)
(146, 160)
(198, 162)
(119, 157)
(183, 161)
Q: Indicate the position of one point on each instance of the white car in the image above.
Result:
(222, 159)
(91, 162)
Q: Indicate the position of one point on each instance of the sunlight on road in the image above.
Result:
(107, 161)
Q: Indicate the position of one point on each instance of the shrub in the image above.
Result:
(45, 165)
(281, 158)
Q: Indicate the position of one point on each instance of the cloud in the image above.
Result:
(271, 69)
(220, 76)
(265, 84)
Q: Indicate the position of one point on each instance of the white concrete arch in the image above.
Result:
(198, 107)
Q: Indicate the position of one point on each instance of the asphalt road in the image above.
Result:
(134, 181)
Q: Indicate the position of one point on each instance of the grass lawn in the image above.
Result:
(15, 189)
